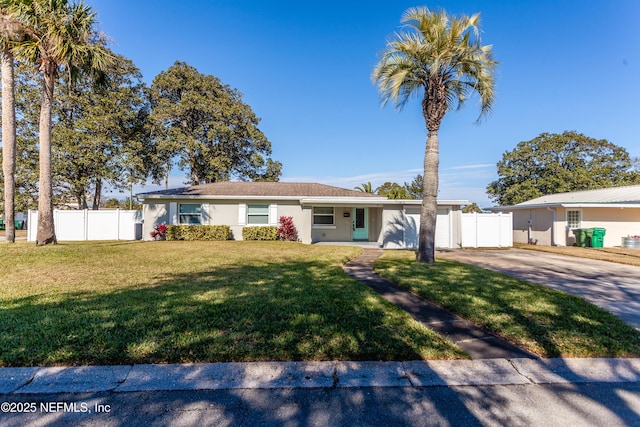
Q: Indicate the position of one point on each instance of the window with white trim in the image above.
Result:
(323, 215)
(190, 213)
(574, 219)
(258, 214)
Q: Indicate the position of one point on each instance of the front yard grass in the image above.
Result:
(115, 303)
(545, 321)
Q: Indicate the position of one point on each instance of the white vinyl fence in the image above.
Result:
(489, 230)
(112, 224)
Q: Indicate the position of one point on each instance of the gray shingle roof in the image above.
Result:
(256, 189)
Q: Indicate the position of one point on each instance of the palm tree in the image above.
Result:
(365, 187)
(442, 59)
(10, 32)
(64, 40)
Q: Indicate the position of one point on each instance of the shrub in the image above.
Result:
(260, 233)
(287, 229)
(159, 231)
(198, 232)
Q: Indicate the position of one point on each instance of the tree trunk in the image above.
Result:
(97, 195)
(429, 208)
(81, 198)
(8, 144)
(434, 107)
(46, 231)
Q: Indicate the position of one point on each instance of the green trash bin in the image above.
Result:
(597, 239)
(581, 237)
(588, 235)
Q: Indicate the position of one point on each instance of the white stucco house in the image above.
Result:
(550, 220)
(321, 213)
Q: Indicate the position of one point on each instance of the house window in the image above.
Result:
(573, 219)
(190, 213)
(258, 214)
(323, 216)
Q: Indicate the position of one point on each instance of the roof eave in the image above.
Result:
(567, 205)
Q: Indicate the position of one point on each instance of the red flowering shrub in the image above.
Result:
(159, 231)
(287, 230)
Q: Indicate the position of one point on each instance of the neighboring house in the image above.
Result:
(321, 213)
(550, 220)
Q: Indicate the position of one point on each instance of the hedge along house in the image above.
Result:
(550, 220)
(321, 213)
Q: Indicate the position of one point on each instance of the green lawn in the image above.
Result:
(544, 321)
(166, 302)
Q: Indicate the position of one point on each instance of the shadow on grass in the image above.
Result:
(545, 321)
(265, 311)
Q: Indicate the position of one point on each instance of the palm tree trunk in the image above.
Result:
(8, 144)
(46, 231)
(434, 107)
(429, 208)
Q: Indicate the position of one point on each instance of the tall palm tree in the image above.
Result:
(64, 39)
(442, 59)
(10, 32)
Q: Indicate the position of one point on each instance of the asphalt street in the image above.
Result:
(578, 404)
(527, 392)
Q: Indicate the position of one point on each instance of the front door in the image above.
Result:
(361, 224)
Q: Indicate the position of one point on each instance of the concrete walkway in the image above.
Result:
(288, 375)
(613, 287)
(475, 341)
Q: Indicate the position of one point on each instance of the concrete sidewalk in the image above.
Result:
(290, 375)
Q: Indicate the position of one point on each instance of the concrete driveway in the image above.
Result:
(614, 287)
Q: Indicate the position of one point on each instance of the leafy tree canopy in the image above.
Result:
(208, 128)
(557, 163)
(414, 188)
(472, 208)
(100, 133)
(393, 190)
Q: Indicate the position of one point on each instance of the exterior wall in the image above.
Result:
(153, 213)
(535, 225)
(375, 224)
(341, 231)
(304, 229)
(393, 225)
(387, 225)
(226, 212)
(401, 224)
(617, 222)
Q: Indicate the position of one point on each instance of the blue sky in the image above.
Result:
(305, 67)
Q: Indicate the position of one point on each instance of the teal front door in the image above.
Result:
(360, 224)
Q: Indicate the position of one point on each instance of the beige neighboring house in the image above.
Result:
(550, 220)
(321, 213)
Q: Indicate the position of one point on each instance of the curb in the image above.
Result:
(279, 375)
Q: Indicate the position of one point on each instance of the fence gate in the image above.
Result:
(489, 230)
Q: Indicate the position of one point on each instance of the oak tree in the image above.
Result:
(207, 127)
(558, 163)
